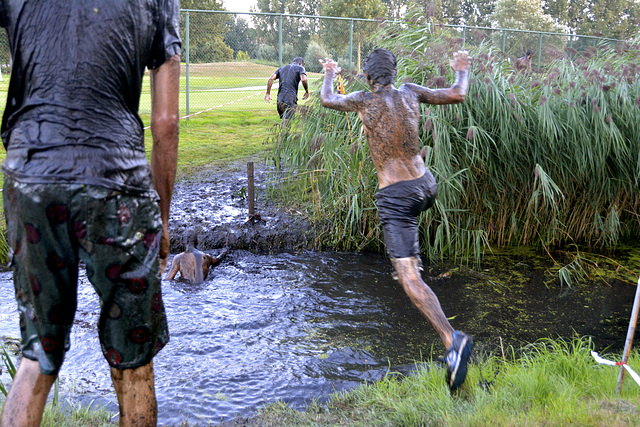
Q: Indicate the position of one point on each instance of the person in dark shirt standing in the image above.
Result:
(289, 78)
(78, 187)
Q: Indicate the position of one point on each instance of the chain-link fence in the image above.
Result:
(228, 57)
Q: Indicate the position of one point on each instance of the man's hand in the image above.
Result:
(305, 96)
(330, 65)
(267, 98)
(460, 61)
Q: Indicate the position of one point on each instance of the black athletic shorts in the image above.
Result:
(399, 205)
(287, 105)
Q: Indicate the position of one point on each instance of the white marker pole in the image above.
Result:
(630, 333)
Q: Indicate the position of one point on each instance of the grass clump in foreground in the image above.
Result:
(552, 382)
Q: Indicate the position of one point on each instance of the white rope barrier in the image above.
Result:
(217, 106)
(602, 361)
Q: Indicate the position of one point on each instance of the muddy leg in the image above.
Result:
(136, 396)
(27, 396)
(423, 297)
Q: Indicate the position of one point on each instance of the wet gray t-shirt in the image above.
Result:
(288, 81)
(77, 70)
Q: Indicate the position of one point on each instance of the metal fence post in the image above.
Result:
(464, 35)
(280, 40)
(186, 54)
(504, 39)
(539, 48)
(350, 43)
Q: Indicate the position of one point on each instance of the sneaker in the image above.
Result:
(456, 358)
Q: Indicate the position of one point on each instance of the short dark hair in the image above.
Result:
(298, 60)
(529, 52)
(190, 238)
(380, 66)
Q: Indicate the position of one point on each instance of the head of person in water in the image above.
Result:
(380, 67)
(190, 239)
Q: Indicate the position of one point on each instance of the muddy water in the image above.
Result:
(298, 326)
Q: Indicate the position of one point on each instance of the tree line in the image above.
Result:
(216, 37)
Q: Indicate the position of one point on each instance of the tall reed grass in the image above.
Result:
(549, 157)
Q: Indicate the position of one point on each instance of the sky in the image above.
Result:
(239, 5)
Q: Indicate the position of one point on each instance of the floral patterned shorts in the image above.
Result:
(51, 227)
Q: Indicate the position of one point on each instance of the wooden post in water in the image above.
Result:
(250, 190)
(630, 334)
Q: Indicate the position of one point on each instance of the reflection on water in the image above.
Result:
(298, 327)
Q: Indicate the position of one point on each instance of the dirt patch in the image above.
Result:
(214, 203)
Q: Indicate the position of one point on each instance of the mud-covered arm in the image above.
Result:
(452, 95)
(333, 100)
(165, 85)
(213, 261)
(175, 267)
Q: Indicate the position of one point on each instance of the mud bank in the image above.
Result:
(214, 203)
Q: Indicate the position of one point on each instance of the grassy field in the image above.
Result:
(228, 86)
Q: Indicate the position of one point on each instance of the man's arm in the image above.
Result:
(175, 267)
(305, 85)
(213, 261)
(165, 86)
(272, 79)
(332, 100)
(453, 95)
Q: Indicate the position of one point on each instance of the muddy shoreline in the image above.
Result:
(214, 203)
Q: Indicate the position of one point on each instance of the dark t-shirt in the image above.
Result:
(288, 80)
(77, 70)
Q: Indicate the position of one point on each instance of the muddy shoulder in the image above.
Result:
(214, 203)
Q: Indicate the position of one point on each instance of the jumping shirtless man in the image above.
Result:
(391, 119)
(193, 264)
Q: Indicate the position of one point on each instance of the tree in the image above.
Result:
(295, 31)
(206, 32)
(475, 13)
(396, 8)
(605, 18)
(568, 13)
(527, 15)
(241, 37)
(337, 32)
(616, 19)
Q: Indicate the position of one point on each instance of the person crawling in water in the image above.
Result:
(192, 264)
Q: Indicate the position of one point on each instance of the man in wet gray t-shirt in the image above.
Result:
(78, 187)
(289, 78)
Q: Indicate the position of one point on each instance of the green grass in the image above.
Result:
(220, 137)
(553, 383)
